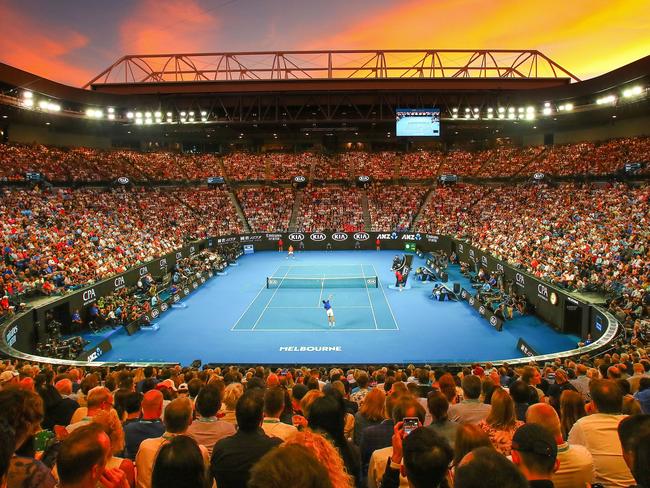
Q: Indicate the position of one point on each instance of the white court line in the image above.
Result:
(322, 283)
(271, 299)
(315, 330)
(342, 306)
(253, 301)
(385, 297)
(369, 299)
(316, 265)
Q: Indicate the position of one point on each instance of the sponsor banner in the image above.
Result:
(310, 349)
(96, 352)
(525, 348)
(546, 300)
(483, 310)
(12, 336)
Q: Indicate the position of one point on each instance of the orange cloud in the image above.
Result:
(587, 37)
(174, 26)
(40, 49)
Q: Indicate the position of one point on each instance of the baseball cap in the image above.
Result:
(166, 384)
(535, 439)
(183, 387)
(8, 376)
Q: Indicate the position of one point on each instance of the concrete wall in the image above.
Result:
(616, 128)
(28, 134)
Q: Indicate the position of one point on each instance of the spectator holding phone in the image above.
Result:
(422, 457)
(22, 410)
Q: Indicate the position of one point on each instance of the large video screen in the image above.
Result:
(422, 122)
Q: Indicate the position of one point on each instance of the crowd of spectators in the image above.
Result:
(394, 207)
(582, 237)
(267, 209)
(568, 423)
(243, 166)
(379, 166)
(57, 239)
(330, 209)
(86, 164)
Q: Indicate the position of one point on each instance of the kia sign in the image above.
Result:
(123, 180)
(296, 236)
(339, 236)
(316, 237)
(361, 236)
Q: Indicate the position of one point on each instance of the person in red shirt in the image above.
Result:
(378, 244)
(398, 280)
(280, 245)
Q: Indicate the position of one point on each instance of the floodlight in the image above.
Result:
(147, 114)
(158, 115)
(466, 109)
(169, 114)
(511, 110)
(568, 107)
(489, 116)
(110, 110)
(43, 105)
(454, 110)
(129, 115)
(490, 110)
(138, 115)
(111, 116)
(502, 116)
(475, 109)
(502, 109)
(27, 95)
(28, 102)
(547, 111)
(183, 114)
(521, 110)
(204, 113)
(530, 109)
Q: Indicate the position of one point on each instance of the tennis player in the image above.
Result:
(290, 253)
(329, 311)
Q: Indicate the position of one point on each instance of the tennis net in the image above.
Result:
(323, 282)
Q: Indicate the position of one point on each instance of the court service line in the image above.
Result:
(315, 330)
(271, 299)
(253, 301)
(322, 283)
(342, 306)
(385, 297)
(372, 309)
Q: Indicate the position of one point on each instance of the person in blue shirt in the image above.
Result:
(330, 312)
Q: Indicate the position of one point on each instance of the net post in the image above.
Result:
(376, 281)
(267, 282)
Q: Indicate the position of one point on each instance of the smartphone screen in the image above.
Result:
(410, 424)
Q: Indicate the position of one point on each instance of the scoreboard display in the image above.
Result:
(421, 122)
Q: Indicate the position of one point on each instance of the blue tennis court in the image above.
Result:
(238, 319)
(291, 300)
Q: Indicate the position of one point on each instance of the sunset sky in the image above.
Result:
(72, 40)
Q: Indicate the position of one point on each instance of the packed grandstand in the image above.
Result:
(117, 204)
